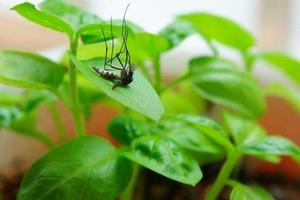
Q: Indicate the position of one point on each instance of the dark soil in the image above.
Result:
(152, 186)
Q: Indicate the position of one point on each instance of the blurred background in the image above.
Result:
(275, 24)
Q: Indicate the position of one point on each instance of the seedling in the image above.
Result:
(162, 129)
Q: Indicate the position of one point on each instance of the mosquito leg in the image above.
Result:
(117, 68)
(106, 47)
(112, 42)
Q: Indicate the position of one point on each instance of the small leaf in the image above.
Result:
(177, 31)
(289, 94)
(244, 192)
(220, 81)
(243, 130)
(285, 63)
(29, 11)
(273, 145)
(139, 95)
(191, 139)
(84, 168)
(174, 101)
(166, 158)
(125, 129)
(28, 70)
(220, 29)
(71, 14)
(145, 46)
(207, 126)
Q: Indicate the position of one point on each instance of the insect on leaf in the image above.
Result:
(138, 95)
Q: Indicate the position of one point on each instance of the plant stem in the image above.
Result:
(175, 82)
(41, 137)
(212, 47)
(157, 71)
(128, 193)
(228, 166)
(58, 122)
(75, 106)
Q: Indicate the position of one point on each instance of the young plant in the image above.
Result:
(160, 135)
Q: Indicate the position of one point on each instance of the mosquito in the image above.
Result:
(126, 69)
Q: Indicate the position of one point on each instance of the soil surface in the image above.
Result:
(152, 186)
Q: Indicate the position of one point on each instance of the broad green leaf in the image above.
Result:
(28, 70)
(289, 94)
(221, 82)
(164, 157)
(29, 11)
(71, 14)
(283, 62)
(125, 129)
(207, 127)
(220, 29)
(84, 168)
(273, 145)
(191, 139)
(138, 95)
(245, 192)
(177, 31)
(243, 130)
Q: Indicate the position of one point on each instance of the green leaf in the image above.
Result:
(289, 94)
(28, 70)
(177, 31)
(146, 46)
(125, 129)
(222, 82)
(243, 130)
(220, 29)
(244, 192)
(84, 168)
(29, 11)
(273, 145)
(71, 14)
(173, 102)
(207, 126)
(164, 157)
(285, 63)
(9, 98)
(246, 131)
(192, 139)
(139, 95)
(96, 36)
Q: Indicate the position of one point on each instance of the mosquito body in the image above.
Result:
(126, 70)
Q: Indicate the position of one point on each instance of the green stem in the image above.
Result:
(157, 71)
(41, 137)
(174, 82)
(58, 122)
(212, 47)
(128, 193)
(228, 166)
(75, 106)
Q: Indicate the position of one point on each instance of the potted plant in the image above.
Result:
(161, 127)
